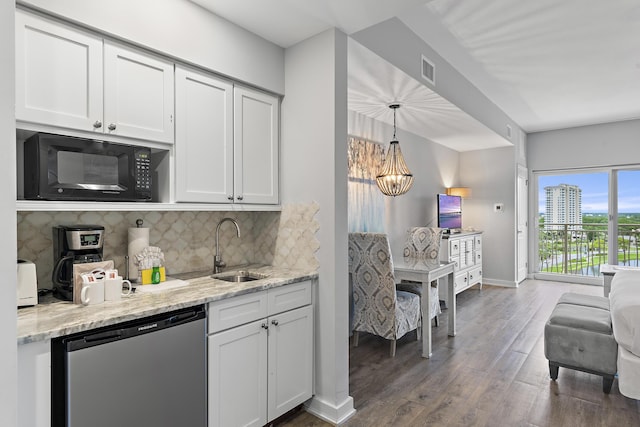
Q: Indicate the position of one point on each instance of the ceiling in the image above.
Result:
(422, 111)
(547, 64)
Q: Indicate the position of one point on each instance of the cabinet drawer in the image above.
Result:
(454, 247)
(236, 311)
(460, 281)
(289, 297)
(478, 258)
(475, 276)
(478, 243)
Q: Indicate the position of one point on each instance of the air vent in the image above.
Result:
(428, 70)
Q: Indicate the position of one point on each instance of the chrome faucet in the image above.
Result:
(218, 264)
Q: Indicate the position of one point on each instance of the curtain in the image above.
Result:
(365, 200)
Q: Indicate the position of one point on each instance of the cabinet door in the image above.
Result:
(256, 134)
(290, 360)
(237, 376)
(454, 247)
(138, 94)
(34, 384)
(204, 138)
(58, 74)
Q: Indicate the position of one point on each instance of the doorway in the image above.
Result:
(522, 264)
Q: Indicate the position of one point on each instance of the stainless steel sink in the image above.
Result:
(239, 276)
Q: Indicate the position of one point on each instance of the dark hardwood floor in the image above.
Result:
(493, 373)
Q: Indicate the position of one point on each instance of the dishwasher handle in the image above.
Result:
(103, 337)
(91, 340)
(178, 319)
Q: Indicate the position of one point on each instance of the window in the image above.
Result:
(587, 219)
(365, 200)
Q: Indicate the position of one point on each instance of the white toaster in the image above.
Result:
(27, 283)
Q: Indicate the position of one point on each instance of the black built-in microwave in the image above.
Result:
(67, 168)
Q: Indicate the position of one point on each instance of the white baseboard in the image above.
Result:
(331, 413)
(498, 282)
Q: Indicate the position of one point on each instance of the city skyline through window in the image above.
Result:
(595, 190)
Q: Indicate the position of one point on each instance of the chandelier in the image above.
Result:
(394, 178)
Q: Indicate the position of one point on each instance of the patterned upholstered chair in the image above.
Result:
(423, 243)
(379, 308)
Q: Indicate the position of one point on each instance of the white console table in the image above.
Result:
(464, 250)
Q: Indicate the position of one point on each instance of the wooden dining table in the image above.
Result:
(427, 272)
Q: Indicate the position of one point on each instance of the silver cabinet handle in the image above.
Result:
(239, 197)
(97, 124)
(274, 322)
(264, 326)
(230, 197)
(112, 126)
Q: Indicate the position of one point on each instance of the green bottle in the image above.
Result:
(155, 273)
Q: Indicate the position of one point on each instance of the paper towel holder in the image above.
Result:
(138, 240)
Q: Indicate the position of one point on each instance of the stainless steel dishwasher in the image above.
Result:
(150, 372)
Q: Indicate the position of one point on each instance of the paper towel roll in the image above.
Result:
(138, 240)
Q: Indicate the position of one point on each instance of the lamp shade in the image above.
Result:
(394, 178)
(464, 192)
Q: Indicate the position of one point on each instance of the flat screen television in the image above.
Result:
(449, 212)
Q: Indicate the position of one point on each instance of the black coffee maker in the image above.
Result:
(73, 244)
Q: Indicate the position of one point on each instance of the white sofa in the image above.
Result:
(625, 318)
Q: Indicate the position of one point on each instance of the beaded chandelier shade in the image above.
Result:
(394, 177)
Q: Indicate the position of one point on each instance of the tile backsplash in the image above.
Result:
(284, 239)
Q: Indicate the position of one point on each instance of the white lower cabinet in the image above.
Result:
(260, 355)
(290, 360)
(237, 376)
(34, 384)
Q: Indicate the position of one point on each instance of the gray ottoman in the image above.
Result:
(579, 336)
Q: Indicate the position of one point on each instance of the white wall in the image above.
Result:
(434, 168)
(181, 29)
(608, 144)
(314, 168)
(491, 176)
(8, 253)
(396, 43)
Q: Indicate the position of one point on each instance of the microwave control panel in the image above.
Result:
(143, 170)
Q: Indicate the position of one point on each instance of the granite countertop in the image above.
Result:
(57, 318)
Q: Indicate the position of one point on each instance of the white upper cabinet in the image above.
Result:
(58, 74)
(256, 135)
(68, 78)
(226, 142)
(204, 138)
(138, 94)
